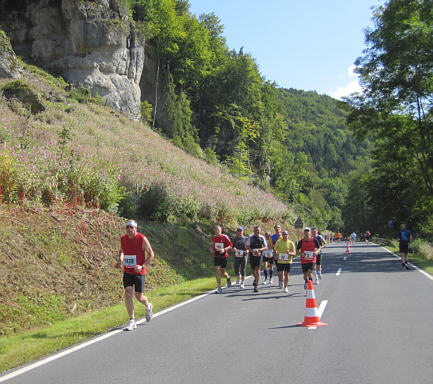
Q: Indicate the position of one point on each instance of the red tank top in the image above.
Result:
(134, 253)
(308, 246)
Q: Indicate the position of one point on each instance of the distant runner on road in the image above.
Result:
(404, 239)
(133, 249)
(353, 237)
(268, 259)
(367, 236)
(241, 256)
(256, 244)
(318, 270)
(308, 248)
(277, 235)
(221, 244)
(285, 251)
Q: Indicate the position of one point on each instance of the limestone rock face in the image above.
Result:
(89, 43)
(9, 65)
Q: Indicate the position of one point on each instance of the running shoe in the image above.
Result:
(305, 285)
(316, 282)
(131, 326)
(149, 312)
(270, 281)
(406, 266)
(264, 283)
(229, 282)
(255, 288)
(320, 275)
(286, 289)
(219, 290)
(242, 285)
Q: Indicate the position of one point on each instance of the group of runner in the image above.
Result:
(136, 254)
(266, 250)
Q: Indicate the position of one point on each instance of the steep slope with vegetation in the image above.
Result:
(60, 165)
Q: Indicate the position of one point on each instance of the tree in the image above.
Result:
(396, 73)
(396, 109)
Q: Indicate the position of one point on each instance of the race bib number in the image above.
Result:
(256, 251)
(268, 253)
(130, 260)
(239, 253)
(308, 255)
(283, 257)
(219, 245)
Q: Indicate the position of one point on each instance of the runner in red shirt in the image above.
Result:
(309, 249)
(221, 244)
(133, 249)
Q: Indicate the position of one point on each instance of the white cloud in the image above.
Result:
(350, 88)
(347, 90)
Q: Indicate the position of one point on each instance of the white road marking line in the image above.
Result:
(339, 271)
(90, 342)
(412, 265)
(320, 311)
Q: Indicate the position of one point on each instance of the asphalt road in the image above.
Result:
(380, 331)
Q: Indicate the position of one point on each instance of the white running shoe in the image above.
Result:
(242, 285)
(286, 289)
(131, 326)
(219, 290)
(264, 283)
(316, 282)
(270, 281)
(149, 312)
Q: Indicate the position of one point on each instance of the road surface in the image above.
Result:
(380, 331)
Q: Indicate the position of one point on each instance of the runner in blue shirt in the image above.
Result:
(404, 239)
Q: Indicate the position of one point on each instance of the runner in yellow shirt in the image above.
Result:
(284, 252)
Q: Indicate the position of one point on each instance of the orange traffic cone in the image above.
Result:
(347, 249)
(311, 318)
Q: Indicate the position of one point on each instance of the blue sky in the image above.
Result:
(302, 44)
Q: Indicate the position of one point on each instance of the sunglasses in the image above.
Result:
(129, 226)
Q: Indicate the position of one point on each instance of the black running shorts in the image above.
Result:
(138, 280)
(308, 267)
(255, 261)
(283, 267)
(403, 246)
(220, 262)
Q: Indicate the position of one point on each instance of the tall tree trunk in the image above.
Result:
(155, 109)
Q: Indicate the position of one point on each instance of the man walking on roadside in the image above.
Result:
(241, 256)
(404, 239)
(308, 248)
(221, 244)
(134, 247)
(256, 244)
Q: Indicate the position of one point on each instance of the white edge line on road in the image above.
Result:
(92, 341)
(339, 271)
(412, 265)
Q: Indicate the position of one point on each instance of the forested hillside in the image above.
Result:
(214, 103)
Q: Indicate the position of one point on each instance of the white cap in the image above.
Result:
(307, 229)
(132, 223)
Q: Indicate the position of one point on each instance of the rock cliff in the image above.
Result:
(89, 43)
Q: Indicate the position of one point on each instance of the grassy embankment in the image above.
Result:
(58, 166)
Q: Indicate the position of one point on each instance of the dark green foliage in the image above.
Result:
(396, 110)
(214, 104)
